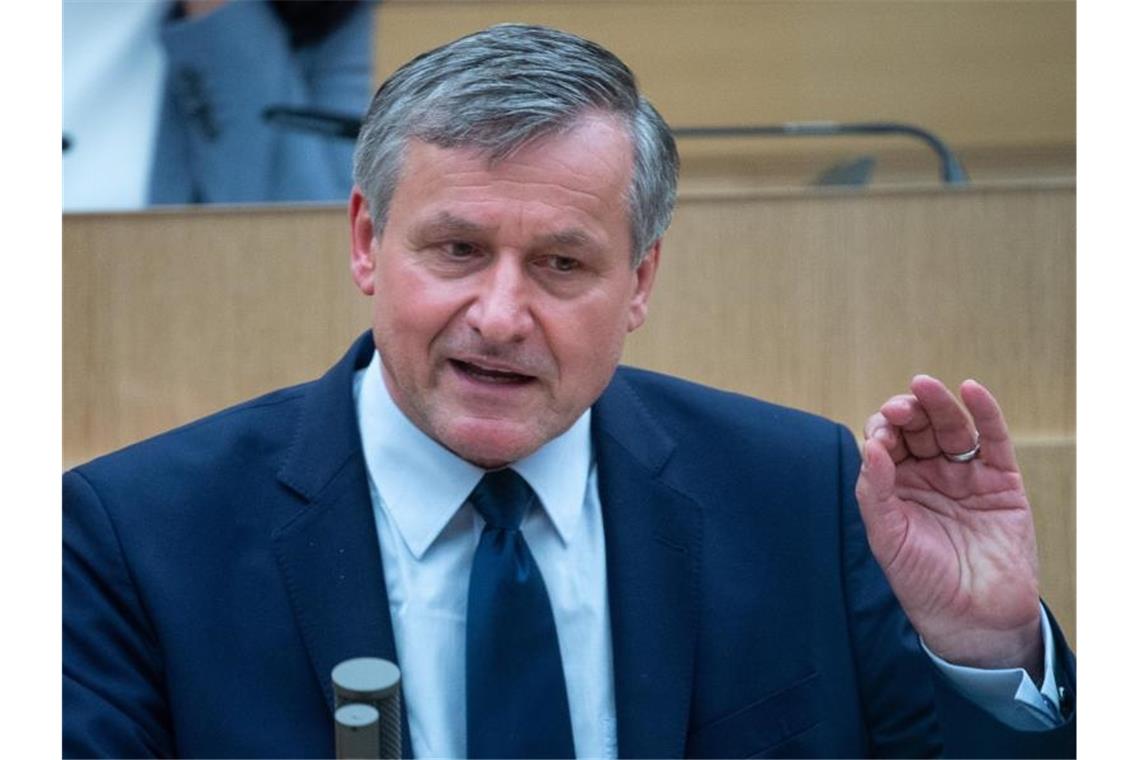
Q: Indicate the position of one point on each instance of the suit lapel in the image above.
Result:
(652, 556)
(330, 557)
(329, 554)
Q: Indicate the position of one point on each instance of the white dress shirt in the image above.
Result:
(428, 534)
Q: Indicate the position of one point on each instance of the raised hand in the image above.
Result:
(953, 531)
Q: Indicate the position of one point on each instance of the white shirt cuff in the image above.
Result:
(1009, 694)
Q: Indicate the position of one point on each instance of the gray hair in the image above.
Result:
(500, 88)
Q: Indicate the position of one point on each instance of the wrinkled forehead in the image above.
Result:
(500, 134)
(577, 179)
(596, 145)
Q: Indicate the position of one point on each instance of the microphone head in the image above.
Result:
(853, 173)
(356, 717)
(357, 732)
(365, 679)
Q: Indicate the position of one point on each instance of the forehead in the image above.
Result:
(580, 176)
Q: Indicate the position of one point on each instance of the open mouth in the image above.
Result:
(488, 375)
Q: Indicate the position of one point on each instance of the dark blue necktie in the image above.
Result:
(516, 692)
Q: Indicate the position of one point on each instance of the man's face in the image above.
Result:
(503, 293)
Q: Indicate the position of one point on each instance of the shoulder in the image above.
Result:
(724, 448)
(206, 495)
(237, 455)
(684, 408)
(259, 424)
(233, 453)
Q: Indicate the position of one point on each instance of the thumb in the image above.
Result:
(875, 492)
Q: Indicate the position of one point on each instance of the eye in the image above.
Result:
(460, 250)
(563, 264)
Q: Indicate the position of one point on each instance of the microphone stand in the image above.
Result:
(951, 170)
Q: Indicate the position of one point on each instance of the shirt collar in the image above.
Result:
(422, 484)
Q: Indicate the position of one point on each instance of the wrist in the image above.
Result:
(1023, 647)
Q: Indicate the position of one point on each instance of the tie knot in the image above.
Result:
(502, 498)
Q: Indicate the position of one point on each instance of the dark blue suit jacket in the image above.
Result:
(213, 577)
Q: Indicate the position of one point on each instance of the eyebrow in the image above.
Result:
(571, 238)
(445, 224)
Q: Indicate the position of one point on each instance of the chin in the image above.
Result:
(492, 445)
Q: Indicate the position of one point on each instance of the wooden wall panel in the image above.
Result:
(171, 315)
(830, 302)
(825, 301)
(1049, 469)
(996, 79)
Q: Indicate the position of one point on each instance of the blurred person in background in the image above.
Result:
(164, 101)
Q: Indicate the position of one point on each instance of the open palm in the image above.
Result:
(955, 539)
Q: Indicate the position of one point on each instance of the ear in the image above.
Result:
(645, 274)
(364, 243)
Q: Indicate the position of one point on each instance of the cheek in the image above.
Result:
(588, 340)
(407, 318)
(412, 303)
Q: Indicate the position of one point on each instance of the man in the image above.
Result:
(563, 556)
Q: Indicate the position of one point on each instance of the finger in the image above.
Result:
(953, 429)
(997, 446)
(901, 410)
(878, 427)
(906, 412)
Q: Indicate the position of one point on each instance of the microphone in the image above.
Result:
(357, 732)
(951, 168)
(373, 684)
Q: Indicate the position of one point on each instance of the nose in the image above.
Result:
(501, 311)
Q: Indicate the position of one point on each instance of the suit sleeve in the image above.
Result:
(113, 701)
(974, 732)
(895, 686)
(910, 709)
(223, 71)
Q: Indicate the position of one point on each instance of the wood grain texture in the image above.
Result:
(171, 315)
(825, 301)
(1049, 466)
(995, 79)
(832, 302)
